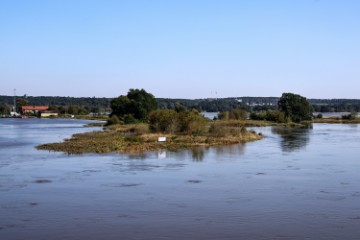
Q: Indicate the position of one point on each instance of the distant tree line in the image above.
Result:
(257, 104)
(102, 105)
(61, 105)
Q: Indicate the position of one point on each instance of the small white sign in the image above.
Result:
(162, 139)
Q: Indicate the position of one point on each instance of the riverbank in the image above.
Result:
(337, 120)
(137, 138)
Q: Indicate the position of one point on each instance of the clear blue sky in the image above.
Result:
(180, 49)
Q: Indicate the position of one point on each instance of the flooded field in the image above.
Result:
(293, 184)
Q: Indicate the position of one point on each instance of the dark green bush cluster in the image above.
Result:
(350, 116)
(135, 105)
(269, 115)
(113, 120)
(318, 116)
(182, 121)
(295, 107)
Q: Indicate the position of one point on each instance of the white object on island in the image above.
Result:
(162, 139)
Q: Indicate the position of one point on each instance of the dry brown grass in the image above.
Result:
(138, 138)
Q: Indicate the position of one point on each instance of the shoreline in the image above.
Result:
(136, 138)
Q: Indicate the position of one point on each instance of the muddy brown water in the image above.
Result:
(293, 184)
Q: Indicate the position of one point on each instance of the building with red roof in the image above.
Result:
(34, 109)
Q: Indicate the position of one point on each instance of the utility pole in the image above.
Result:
(14, 100)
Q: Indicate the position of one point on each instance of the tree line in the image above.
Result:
(83, 105)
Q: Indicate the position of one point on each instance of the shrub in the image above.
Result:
(350, 116)
(129, 119)
(234, 114)
(170, 121)
(319, 115)
(269, 115)
(113, 120)
(164, 120)
(134, 139)
(191, 122)
(238, 114)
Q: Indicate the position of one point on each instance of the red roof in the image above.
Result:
(35, 108)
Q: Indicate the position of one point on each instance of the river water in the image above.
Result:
(293, 184)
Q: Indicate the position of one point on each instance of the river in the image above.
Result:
(293, 184)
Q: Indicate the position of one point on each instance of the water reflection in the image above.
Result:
(235, 149)
(198, 154)
(292, 139)
(161, 154)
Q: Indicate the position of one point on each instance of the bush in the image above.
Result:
(163, 121)
(350, 116)
(134, 139)
(319, 115)
(269, 115)
(170, 121)
(129, 119)
(191, 122)
(113, 120)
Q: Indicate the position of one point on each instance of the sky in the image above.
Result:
(180, 48)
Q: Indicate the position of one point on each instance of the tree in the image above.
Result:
(295, 107)
(137, 103)
(21, 102)
(5, 109)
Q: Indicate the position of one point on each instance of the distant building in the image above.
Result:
(34, 109)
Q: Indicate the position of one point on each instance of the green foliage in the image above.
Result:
(20, 102)
(71, 109)
(113, 120)
(351, 116)
(5, 109)
(129, 119)
(269, 115)
(92, 104)
(164, 121)
(102, 105)
(133, 139)
(171, 121)
(295, 107)
(319, 116)
(137, 103)
(191, 122)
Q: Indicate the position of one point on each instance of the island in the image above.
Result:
(137, 124)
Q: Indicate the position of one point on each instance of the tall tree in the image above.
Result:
(295, 107)
(21, 102)
(137, 103)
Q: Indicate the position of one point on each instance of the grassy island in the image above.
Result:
(136, 124)
(139, 138)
